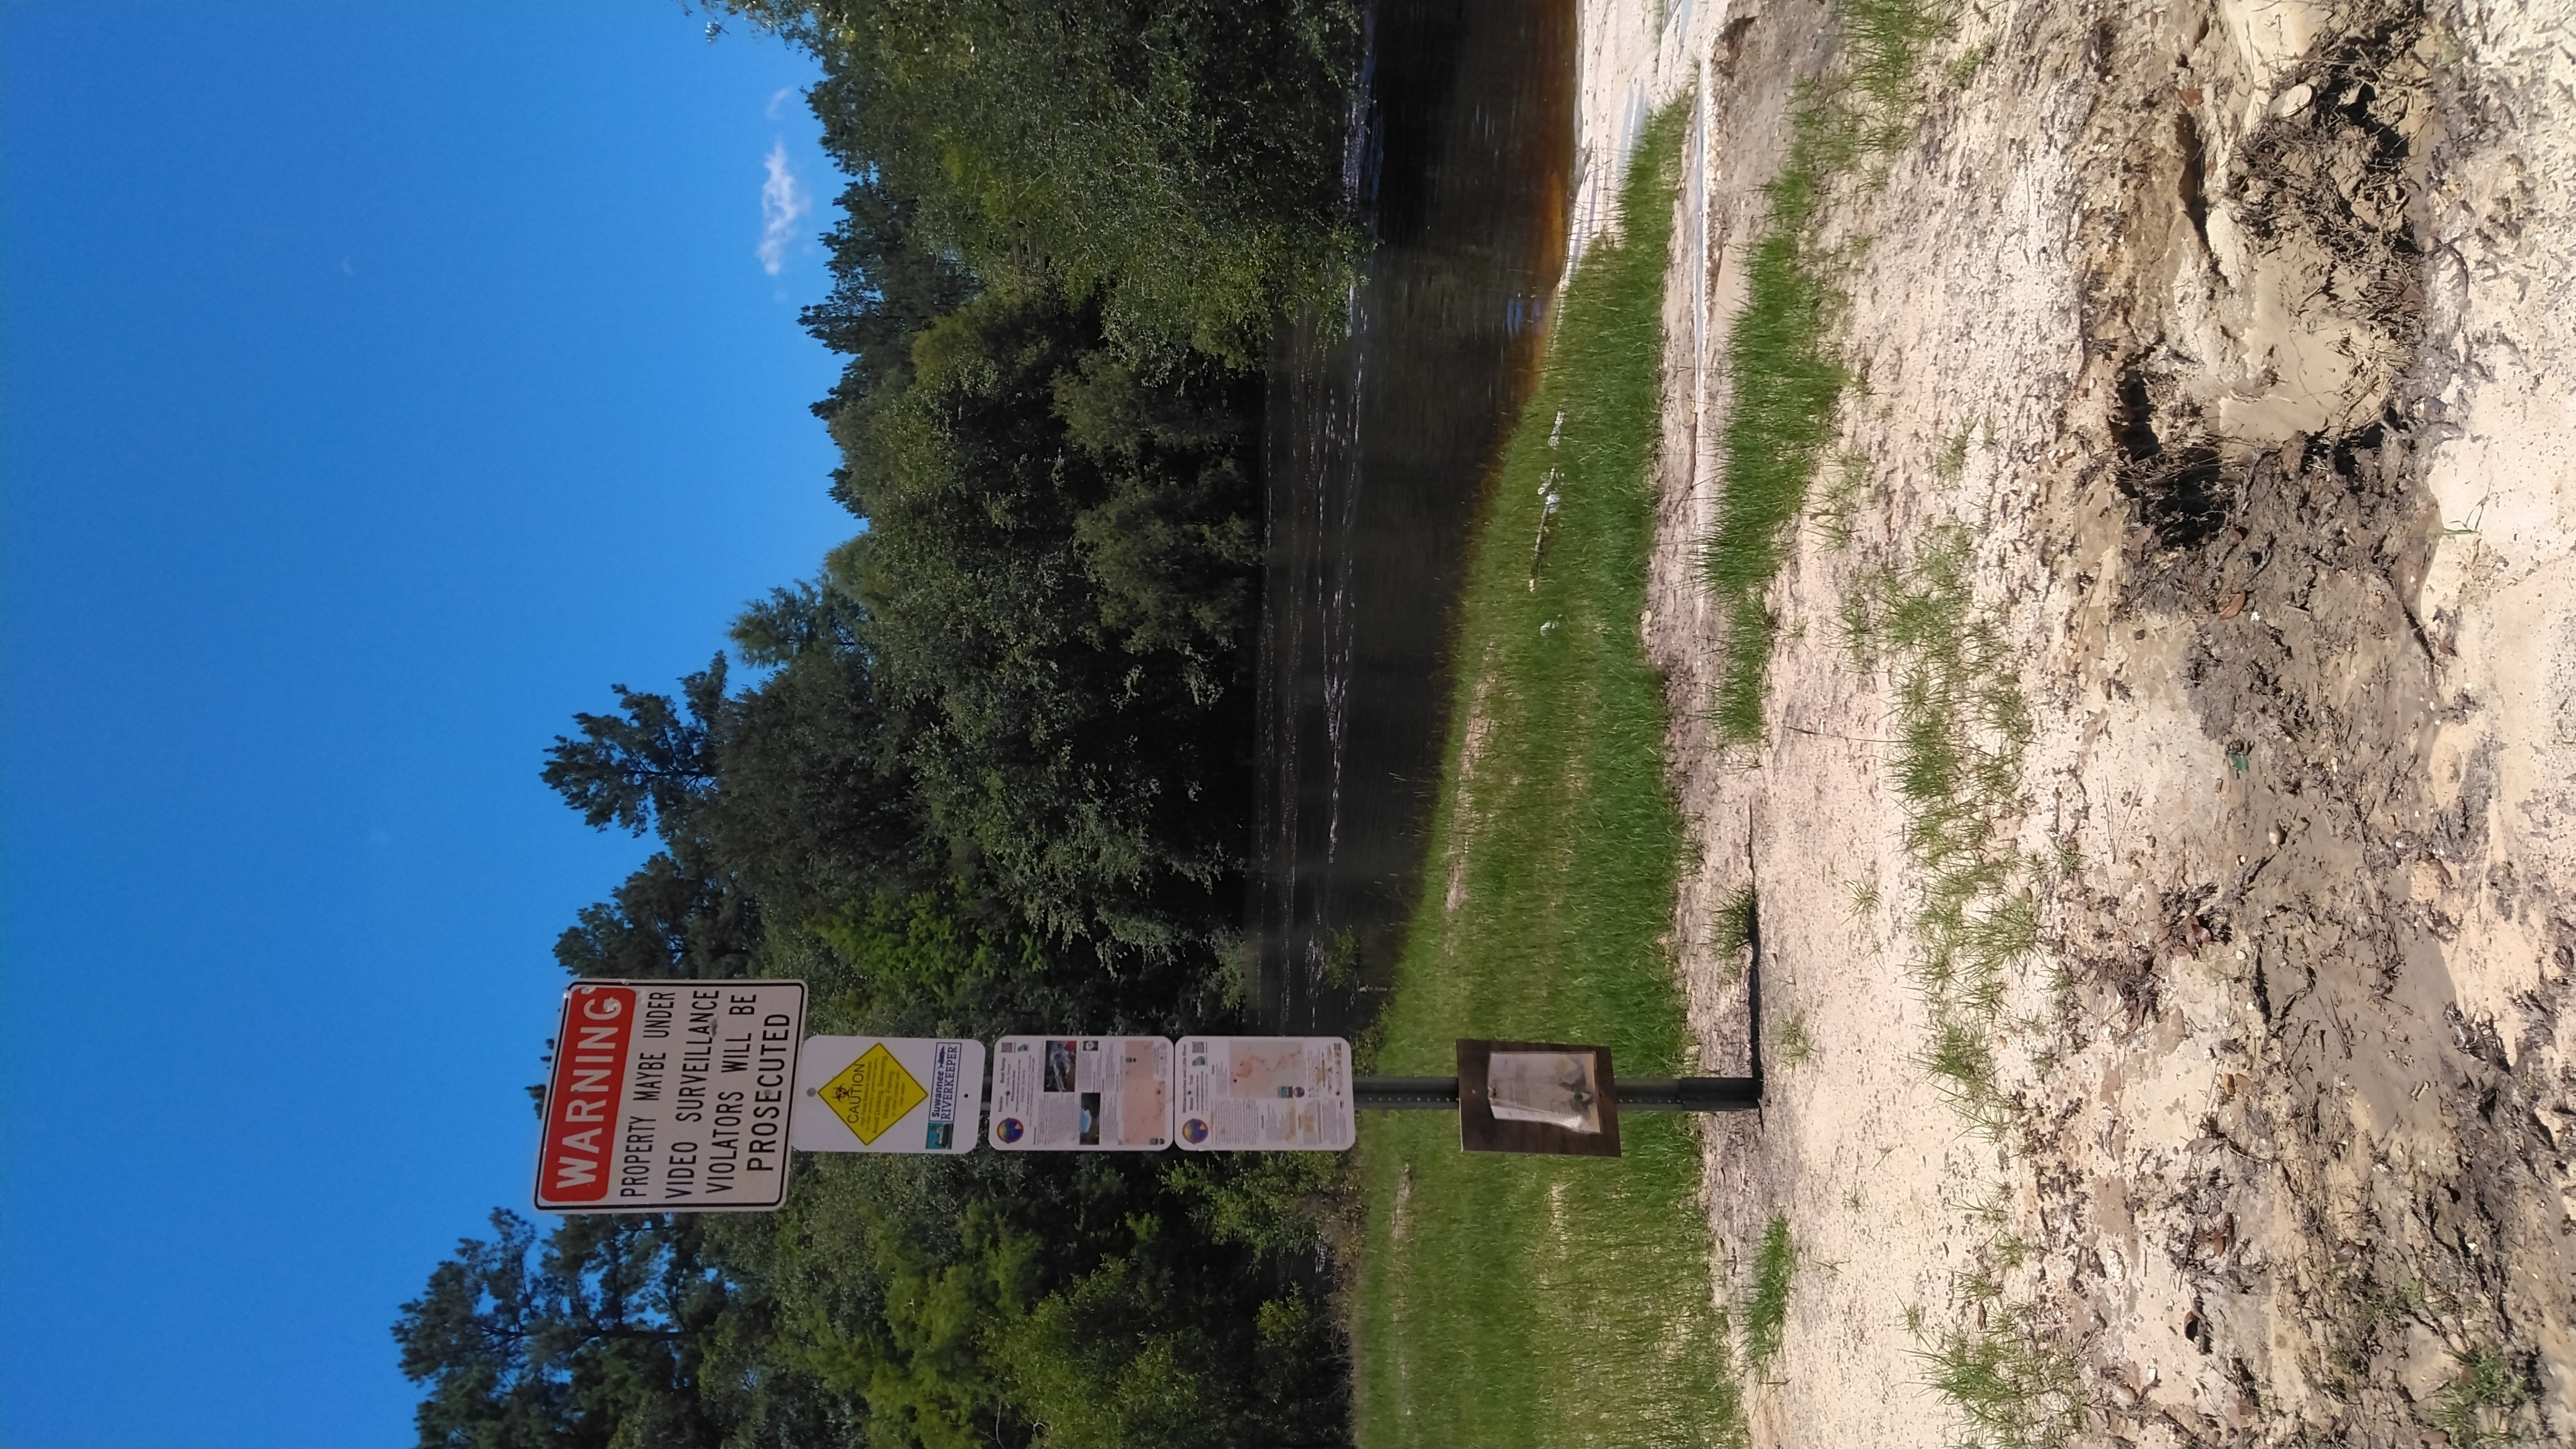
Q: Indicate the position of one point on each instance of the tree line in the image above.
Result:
(988, 770)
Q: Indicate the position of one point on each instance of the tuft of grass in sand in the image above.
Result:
(1961, 727)
(1793, 1043)
(1538, 1300)
(2016, 1389)
(1862, 896)
(1834, 515)
(1766, 1313)
(1787, 381)
(1736, 930)
(2476, 1407)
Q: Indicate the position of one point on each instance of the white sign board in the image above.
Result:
(671, 1096)
(1082, 1094)
(1266, 1093)
(889, 1094)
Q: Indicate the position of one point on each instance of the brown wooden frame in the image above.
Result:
(1479, 1130)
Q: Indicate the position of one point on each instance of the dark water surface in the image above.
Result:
(1384, 428)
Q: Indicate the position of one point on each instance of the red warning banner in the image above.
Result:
(574, 1166)
(671, 1096)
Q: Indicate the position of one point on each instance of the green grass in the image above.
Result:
(1766, 1313)
(2016, 1390)
(1536, 1300)
(1786, 380)
(1961, 726)
(2477, 1406)
(1863, 896)
(1793, 1043)
(1736, 930)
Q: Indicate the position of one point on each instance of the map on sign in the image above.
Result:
(1082, 1094)
(889, 1094)
(671, 1096)
(1266, 1093)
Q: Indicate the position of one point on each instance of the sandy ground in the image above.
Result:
(2256, 319)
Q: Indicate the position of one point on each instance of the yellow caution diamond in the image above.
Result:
(872, 1094)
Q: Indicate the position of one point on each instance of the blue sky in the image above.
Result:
(378, 384)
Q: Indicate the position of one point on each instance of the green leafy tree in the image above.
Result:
(816, 805)
(1069, 692)
(1179, 162)
(890, 280)
(987, 771)
(1134, 1352)
(665, 920)
(652, 766)
(594, 1340)
(920, 1365)
(647, 765)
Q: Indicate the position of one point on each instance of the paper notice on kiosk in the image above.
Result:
(1082, 1094)
(889, 1094)
(1266, 1093)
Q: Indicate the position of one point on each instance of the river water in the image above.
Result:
(1384, 426)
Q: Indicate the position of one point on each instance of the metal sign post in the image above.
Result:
(687, 1096)
(1636, 1094)
(1556, 1099)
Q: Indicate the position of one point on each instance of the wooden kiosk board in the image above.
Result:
(671, 1096)
(1082, 1094)
(1542, 1097)
(889, 1094)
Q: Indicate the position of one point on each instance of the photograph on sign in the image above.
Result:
(1534, 1096)
(889, 1094)
(671, 1096)
(1266, 1093)
(1082, 1094)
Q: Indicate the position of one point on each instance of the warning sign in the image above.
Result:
(890, 1094)
(671, 1096)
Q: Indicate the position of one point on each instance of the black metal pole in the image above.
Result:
(1689, 1094)
(1405, 1094)
(1636, 1094)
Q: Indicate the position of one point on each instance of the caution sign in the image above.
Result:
(872, 1094)
(671, 1096)
(889, 1094)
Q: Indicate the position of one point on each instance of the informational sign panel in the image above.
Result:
(671, 1096)
(889, 1094)
(1082, 1094)
(1266, 1093)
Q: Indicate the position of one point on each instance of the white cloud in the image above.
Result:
(779, 99)
(783, 204)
